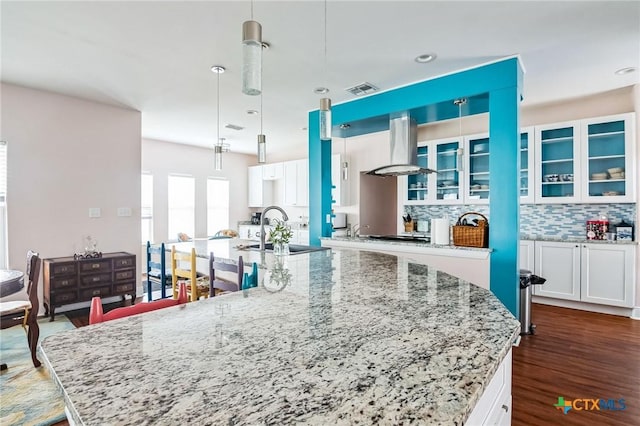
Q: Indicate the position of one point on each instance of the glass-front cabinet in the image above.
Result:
(448, 162)
(417, 185)
(477, 149)
(526, 166)
(557, 156)
(443, 187)
(608, 159)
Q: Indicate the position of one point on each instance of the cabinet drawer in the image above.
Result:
(125, 275)
(95, 266)
(61, 298)
(63, 269)
(124, 262)
(64, 282)
(94, 279)
(124, 288)
(93, 292)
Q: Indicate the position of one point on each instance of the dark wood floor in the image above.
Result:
(573, 354)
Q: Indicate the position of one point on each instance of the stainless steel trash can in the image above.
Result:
(527, 279)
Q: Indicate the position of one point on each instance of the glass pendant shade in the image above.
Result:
(217, 152)
(251, 58)
(325, 119)
(262, 149)
(345, 171)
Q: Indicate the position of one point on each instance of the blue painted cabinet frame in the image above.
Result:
(501, 84)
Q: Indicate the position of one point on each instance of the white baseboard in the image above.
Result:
(602, 309)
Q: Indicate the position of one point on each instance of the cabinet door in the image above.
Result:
(255, 186)
(608, 159)
(477, 167)
(559, 264)
(526, 166)
(526, 255)
(302, 182)
(416, 188)
(447, 161)
(290, 183)
(273, 171)
(558, 163)
(608, 276)
(337, 187)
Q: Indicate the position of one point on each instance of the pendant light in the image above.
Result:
(251, 56)
(345, 164)
(460, 102)
(325, 103)
(218, 147)
(262, 140)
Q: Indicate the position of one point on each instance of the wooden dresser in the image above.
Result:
(67, 280)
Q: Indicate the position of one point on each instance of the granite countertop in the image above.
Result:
(367, 240)
(337, 336)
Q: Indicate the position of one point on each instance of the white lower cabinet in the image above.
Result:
(527, 255)
(586, 272)
(300, 236)
(494, 406)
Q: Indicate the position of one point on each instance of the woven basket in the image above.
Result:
(471, 236)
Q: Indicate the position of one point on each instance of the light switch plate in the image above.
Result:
(124, 211)
(94, 212)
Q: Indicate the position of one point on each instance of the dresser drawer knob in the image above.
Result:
(96, 279)
(95, 266)
(97, 293)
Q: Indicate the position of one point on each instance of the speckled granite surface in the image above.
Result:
(576, 240)
(331, 337)
(366, 240)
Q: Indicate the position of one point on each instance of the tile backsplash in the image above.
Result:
(539, 220)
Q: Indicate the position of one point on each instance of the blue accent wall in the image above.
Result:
(502, 81)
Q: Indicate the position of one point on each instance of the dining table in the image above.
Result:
(335, 336)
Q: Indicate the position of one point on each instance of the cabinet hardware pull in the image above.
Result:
(95, 266)
(96, 292)
(505, 408)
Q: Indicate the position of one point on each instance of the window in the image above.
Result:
(146, 207)
(181, 199)
(217, 205)
(3, 206)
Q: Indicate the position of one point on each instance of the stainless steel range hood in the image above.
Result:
(404, 149)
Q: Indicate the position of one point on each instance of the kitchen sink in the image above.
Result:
(293, 248)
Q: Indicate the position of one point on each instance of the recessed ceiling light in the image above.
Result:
(427, 57)
(623, 71)
(320, 90)
(252, 112)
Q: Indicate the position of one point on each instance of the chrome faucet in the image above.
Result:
(356, 230)
(262, 216)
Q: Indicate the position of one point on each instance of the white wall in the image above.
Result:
(164, 158)
(66, 155)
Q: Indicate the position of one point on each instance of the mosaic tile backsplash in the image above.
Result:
(539, 220)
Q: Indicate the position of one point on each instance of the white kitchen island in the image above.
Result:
(329, 337)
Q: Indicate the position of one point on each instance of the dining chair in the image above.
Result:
(25, 311)
(216, 282)
(157, 272)
(197, 285)
(96, 314)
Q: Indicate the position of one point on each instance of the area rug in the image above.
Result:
(27, 394)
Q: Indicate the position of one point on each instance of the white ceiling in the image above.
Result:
(155, 57)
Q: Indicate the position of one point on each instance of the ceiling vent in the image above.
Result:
(233, 127)
(362, 89)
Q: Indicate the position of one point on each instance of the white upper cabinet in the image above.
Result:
(260, 191)
(477, 167)
(558, 157)
(588, 161)
(296, 183)
(608, 172)
(272, 171)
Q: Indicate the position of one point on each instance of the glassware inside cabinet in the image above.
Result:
(479, 168)
(606, 157)
(447, 168)
(557, 162)
(418, 188)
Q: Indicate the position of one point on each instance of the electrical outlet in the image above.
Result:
(94, 212)
(124, 211)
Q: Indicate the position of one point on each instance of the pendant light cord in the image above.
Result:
(218, 108)
(261, 113)
(325, 46)
(252, 10)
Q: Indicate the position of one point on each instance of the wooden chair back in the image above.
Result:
(25, 312)
(157, 269)
(222, 284)
(178, 273)
(96, 314)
